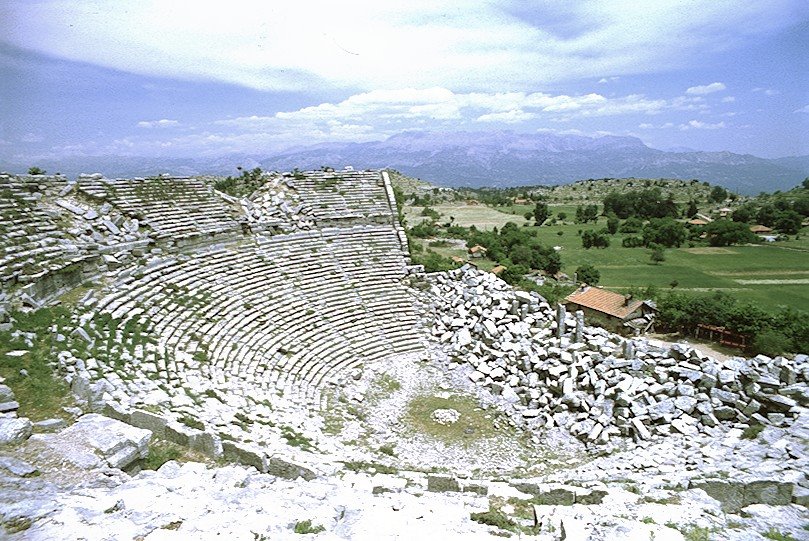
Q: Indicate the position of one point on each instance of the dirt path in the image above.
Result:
(717, 351)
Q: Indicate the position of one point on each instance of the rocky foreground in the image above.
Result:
(671, 445)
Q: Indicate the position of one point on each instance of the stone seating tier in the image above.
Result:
(31, 242)
(172, 207)
(287, 312)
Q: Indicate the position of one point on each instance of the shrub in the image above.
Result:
(771, 342)
(588, 274)
(594, 239)
(305, 527)
(632, 242)
(495, 518)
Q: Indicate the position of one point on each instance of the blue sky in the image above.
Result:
(199, 79)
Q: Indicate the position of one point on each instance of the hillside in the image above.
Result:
(472, 159)
(511, 159)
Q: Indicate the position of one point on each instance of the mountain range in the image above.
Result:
(497, 158)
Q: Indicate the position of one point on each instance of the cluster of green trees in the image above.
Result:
(646, 203)
(586, 213)
(770, 333)
(595, 239)
(517, 249)
(783, 211)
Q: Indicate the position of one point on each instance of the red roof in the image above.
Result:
(601, 300)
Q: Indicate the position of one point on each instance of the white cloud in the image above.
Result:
(728, 99)
(705, 89)
(605, 80)
(766, 91)
(699, 125)
(804, 109)
(469, 45)
(508, 117)
(645, 126)
(442, 105)
(162, 123)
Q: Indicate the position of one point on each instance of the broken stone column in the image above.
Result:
(560, 320)
(579, 325)
(629, 349)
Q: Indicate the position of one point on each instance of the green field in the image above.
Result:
(784, 265)
(769, 275)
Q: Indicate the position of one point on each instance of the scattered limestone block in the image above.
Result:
(243, 454)
(17, 467)
(288, 470)
(49, 425)
(14, 430)
(117, 444)
(7, 407)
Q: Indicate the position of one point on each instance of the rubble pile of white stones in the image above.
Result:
(277, 201)
(105, 226)
(552, 370)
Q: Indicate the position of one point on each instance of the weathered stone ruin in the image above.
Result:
(287, 334)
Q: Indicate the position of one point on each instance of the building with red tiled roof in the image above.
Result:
(758, 228)
(477, 251)
(611, 310)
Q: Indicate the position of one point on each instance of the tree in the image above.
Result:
(658, 256)
(788, 222)
(805, 183)
(36, 171)
(718, 194)
(766, 215)
(692, 209)
(664, 231)
(632, 242)
(586, 214)
(744, 214)
(612, 224)
(588, 274)
(631, 225)
(594, 239)
(725, 233)
(541, 213)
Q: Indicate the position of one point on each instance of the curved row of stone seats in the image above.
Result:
(334, 195)
(174, 207)
(31, 242)
(289, 312)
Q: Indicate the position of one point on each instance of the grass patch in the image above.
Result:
(474, 423)
(160, 452)
(772, 533)
(752, 432)
(387, 450)
(305, 527)
(190, 422)
(41, 393)
(388, 383)
(693, 532)
(495, 518)
(296, 439)
(362, 466)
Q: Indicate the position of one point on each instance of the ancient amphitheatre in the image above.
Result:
(320, 384)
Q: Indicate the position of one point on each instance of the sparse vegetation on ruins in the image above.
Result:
(229, 351)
